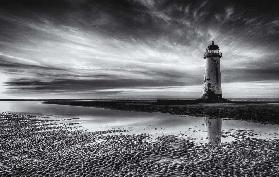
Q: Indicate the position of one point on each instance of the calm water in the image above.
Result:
(202, 129)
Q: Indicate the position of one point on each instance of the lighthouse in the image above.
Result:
(212, 91)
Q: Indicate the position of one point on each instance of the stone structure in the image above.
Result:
(212, 77)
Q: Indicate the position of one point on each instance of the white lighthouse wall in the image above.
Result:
(212, 79)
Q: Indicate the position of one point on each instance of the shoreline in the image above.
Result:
(264, 112)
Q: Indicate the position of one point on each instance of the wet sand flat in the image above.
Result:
(265, 112)
(35, 145)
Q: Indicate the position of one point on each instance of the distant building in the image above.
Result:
(212, 77)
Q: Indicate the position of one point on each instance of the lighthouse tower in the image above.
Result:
(212, 77)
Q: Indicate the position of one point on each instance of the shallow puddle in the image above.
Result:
(199, 129)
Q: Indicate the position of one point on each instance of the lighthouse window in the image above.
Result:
(213, 51)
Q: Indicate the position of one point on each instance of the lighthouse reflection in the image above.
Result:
(214, 130)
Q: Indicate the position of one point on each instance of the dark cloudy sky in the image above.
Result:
(136, 48)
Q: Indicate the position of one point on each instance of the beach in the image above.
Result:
(42, 145)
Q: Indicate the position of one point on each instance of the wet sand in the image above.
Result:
(264, 112)
(37, 145)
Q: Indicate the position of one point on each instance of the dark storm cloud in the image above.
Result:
(67, 82)
(145, 18)
(81, 85)
(252, 74)
(77, 45)
(110, 17)
(7, 63)
(265, 69)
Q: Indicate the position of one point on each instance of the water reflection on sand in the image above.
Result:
(200, 129)
(214, 130)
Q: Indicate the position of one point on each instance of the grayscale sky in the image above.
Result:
(136, 48)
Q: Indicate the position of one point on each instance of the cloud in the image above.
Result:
(96, 46)
(252, 89)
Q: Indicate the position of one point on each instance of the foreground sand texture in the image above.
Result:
(34, 145)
